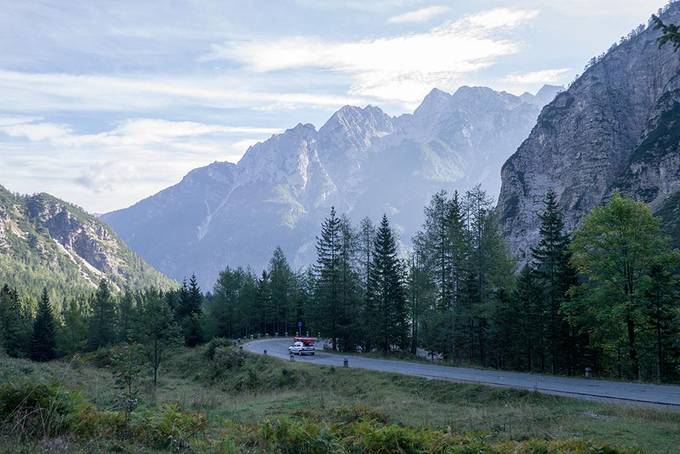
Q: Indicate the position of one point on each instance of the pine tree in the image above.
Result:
(264, 303)
(188, 311)
(327, 269)
(101, 329)
(156, 330)
(551, 261)
(43, 341)
(527, 302)
(14, 335)
(388, 299)
(72, 336)
(281, 289)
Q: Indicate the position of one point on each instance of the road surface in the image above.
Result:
(665, 395)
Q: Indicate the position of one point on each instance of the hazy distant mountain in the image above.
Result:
(46, 242)
(362, 161)
(617, 128)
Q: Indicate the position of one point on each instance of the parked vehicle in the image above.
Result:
(302, 346)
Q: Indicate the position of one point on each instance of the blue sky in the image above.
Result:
(105, 103)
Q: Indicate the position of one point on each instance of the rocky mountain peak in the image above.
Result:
(586, 138)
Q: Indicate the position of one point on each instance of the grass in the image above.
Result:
(265, 404)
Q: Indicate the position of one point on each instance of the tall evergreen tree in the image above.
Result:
(72, 335)
(13, 322)
(388, 299)
(281, 291)
(551, 261)
(43, 341)
(101, 326)
(188, 311)
(327, 269)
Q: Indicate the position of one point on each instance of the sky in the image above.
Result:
(105, 103)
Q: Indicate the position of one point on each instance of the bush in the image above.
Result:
(168, 427)
(30, 410)
(37, 410)
(213, 345)
(291, 437)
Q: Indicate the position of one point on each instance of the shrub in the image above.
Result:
(168, 427)
(292, 437)
(30, 410)
(218, 342)
(37, 410)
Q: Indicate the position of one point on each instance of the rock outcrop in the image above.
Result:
(614, 129)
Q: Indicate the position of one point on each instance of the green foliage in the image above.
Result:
(168, 427)
(616, 249)
(156, 330)
(34, 260)
(101, 332)
(43, 340)
(670, 33)
(386, 298)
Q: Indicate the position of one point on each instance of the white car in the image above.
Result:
(298, 348)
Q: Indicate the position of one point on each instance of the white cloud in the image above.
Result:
(419, 15)
(117, 167)
(44, 92)
(401, 68)
(545, 76)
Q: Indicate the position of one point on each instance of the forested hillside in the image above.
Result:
(46, 242)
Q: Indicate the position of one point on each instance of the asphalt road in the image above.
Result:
(664, 395)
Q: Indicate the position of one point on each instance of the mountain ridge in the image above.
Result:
(584, 143)
(361, 160)
(48, 242)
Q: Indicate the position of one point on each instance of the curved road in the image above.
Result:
(665, 395)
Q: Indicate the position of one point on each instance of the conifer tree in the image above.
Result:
(14, 335)
(72, 335)
(264, 303)
(188, 311)
(43, 340)
(388, 299)
(101, 332)
(327, 269)
(281, 290)
(551, 261)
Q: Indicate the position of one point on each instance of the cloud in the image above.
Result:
(44, 92)
(401, 68)
(119, 166)
(419, 15)
(545, 76)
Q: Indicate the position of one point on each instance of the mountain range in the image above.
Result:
(46, 242)
(362, 161)
(615, 129)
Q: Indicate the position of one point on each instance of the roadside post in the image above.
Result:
(345, 362)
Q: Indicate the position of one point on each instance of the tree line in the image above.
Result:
(604, 297)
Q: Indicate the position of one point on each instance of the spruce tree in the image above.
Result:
(551, 261)
(101, 329)
(264, 303)
(14, 336)
(281, 290)
(327, 269)
(388, 299)
(43, 340)
(188, 311)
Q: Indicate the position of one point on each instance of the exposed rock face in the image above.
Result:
(362, 161)
(596, 138)
(58, 245)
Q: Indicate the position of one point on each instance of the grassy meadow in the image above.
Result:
(216, 398)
